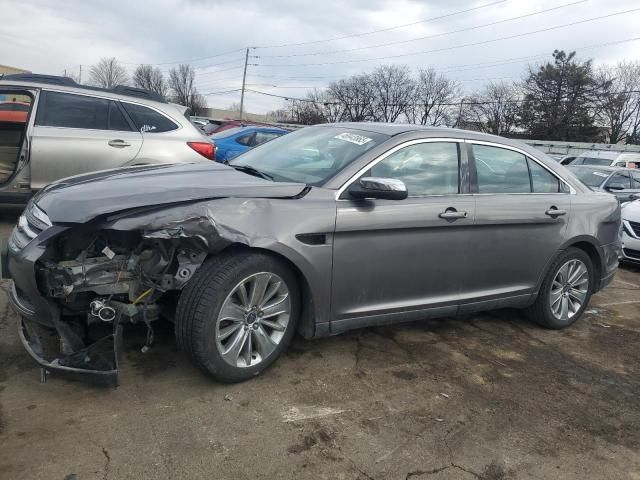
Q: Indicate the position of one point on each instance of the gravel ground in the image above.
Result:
(488, 396)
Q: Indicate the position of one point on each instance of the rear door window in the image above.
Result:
(501, 170)
(72, 111)
(148, 120)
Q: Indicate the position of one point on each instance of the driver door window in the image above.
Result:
(425, 168)
(620, 178)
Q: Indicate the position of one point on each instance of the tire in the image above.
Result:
(199, 327)
(542, 311)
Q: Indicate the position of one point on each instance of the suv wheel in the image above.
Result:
(237, 315)
(565, 292)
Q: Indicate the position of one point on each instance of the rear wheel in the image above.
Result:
(565, 292)
(237, 315)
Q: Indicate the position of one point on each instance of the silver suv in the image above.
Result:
(52, 128)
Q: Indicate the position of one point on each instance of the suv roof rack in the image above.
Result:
(70, 82)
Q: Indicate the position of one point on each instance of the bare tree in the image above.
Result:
(355, 98)
(618, 104)
(108, 73)
(182, 84)
(494, 110)
(434, 95)
(393, 90)
(150, 78)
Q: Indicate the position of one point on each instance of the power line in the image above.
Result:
(410, 40)
(410, 104)
(199, 75)
(189, 61)
(454, 47)
(221, 92)
(396, 27)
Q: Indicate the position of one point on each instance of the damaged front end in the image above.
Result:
(74, 288)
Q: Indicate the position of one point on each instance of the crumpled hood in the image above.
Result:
(81, 198)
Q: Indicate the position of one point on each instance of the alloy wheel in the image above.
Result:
(253, 319)
(569, 289)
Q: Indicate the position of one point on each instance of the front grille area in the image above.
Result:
(631, 253)
(635, 226)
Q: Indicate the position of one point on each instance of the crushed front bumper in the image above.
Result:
(42, 332)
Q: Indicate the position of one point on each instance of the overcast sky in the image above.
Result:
(51, 37)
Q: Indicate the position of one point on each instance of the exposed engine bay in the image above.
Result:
(118, 277)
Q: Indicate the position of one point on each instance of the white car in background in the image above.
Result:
(631, 231)
(601, 158)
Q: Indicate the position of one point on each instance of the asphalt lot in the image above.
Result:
(484, 397)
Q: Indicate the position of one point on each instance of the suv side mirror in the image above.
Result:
(382, 188)
(614, 186)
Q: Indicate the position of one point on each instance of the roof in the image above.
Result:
(65, 83)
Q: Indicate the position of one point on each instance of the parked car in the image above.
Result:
(604, 158)
(631, 231)
(74, 129)
(323, 230)
(231, 143)
(621, 182)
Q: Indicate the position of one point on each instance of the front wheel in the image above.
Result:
(237, 315)
(565, 292)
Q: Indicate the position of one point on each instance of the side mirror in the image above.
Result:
(614, 186)
(382, 188)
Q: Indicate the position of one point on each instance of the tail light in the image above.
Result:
(206, 149)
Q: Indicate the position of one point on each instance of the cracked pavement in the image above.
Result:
(488, 396)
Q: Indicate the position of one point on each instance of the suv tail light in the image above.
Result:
(206, 149)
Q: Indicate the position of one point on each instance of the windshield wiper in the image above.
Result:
(252, 171)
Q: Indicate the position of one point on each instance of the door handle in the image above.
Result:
(452, 214)
(118, 143)
(553, 212)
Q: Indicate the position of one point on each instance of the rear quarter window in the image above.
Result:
(148, 120)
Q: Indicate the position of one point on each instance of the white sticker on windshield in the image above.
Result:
(600, 174)
(353, 138)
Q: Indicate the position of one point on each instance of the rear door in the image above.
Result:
(522, 211)
(76, 134)
(15, 110)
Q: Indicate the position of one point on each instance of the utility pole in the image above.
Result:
(244, 78)
(80, 75)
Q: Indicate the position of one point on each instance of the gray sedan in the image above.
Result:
(324, 230)
(624, 183)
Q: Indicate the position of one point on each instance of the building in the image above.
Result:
(7, 70)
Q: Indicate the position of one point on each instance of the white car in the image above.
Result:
(602, 158)
(631, 231)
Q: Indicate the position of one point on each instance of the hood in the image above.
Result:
(81, 198)
(631, 211)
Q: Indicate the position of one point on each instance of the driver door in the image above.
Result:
(397, 260)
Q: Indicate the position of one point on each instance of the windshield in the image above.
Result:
(591, 177)
(311, 155)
